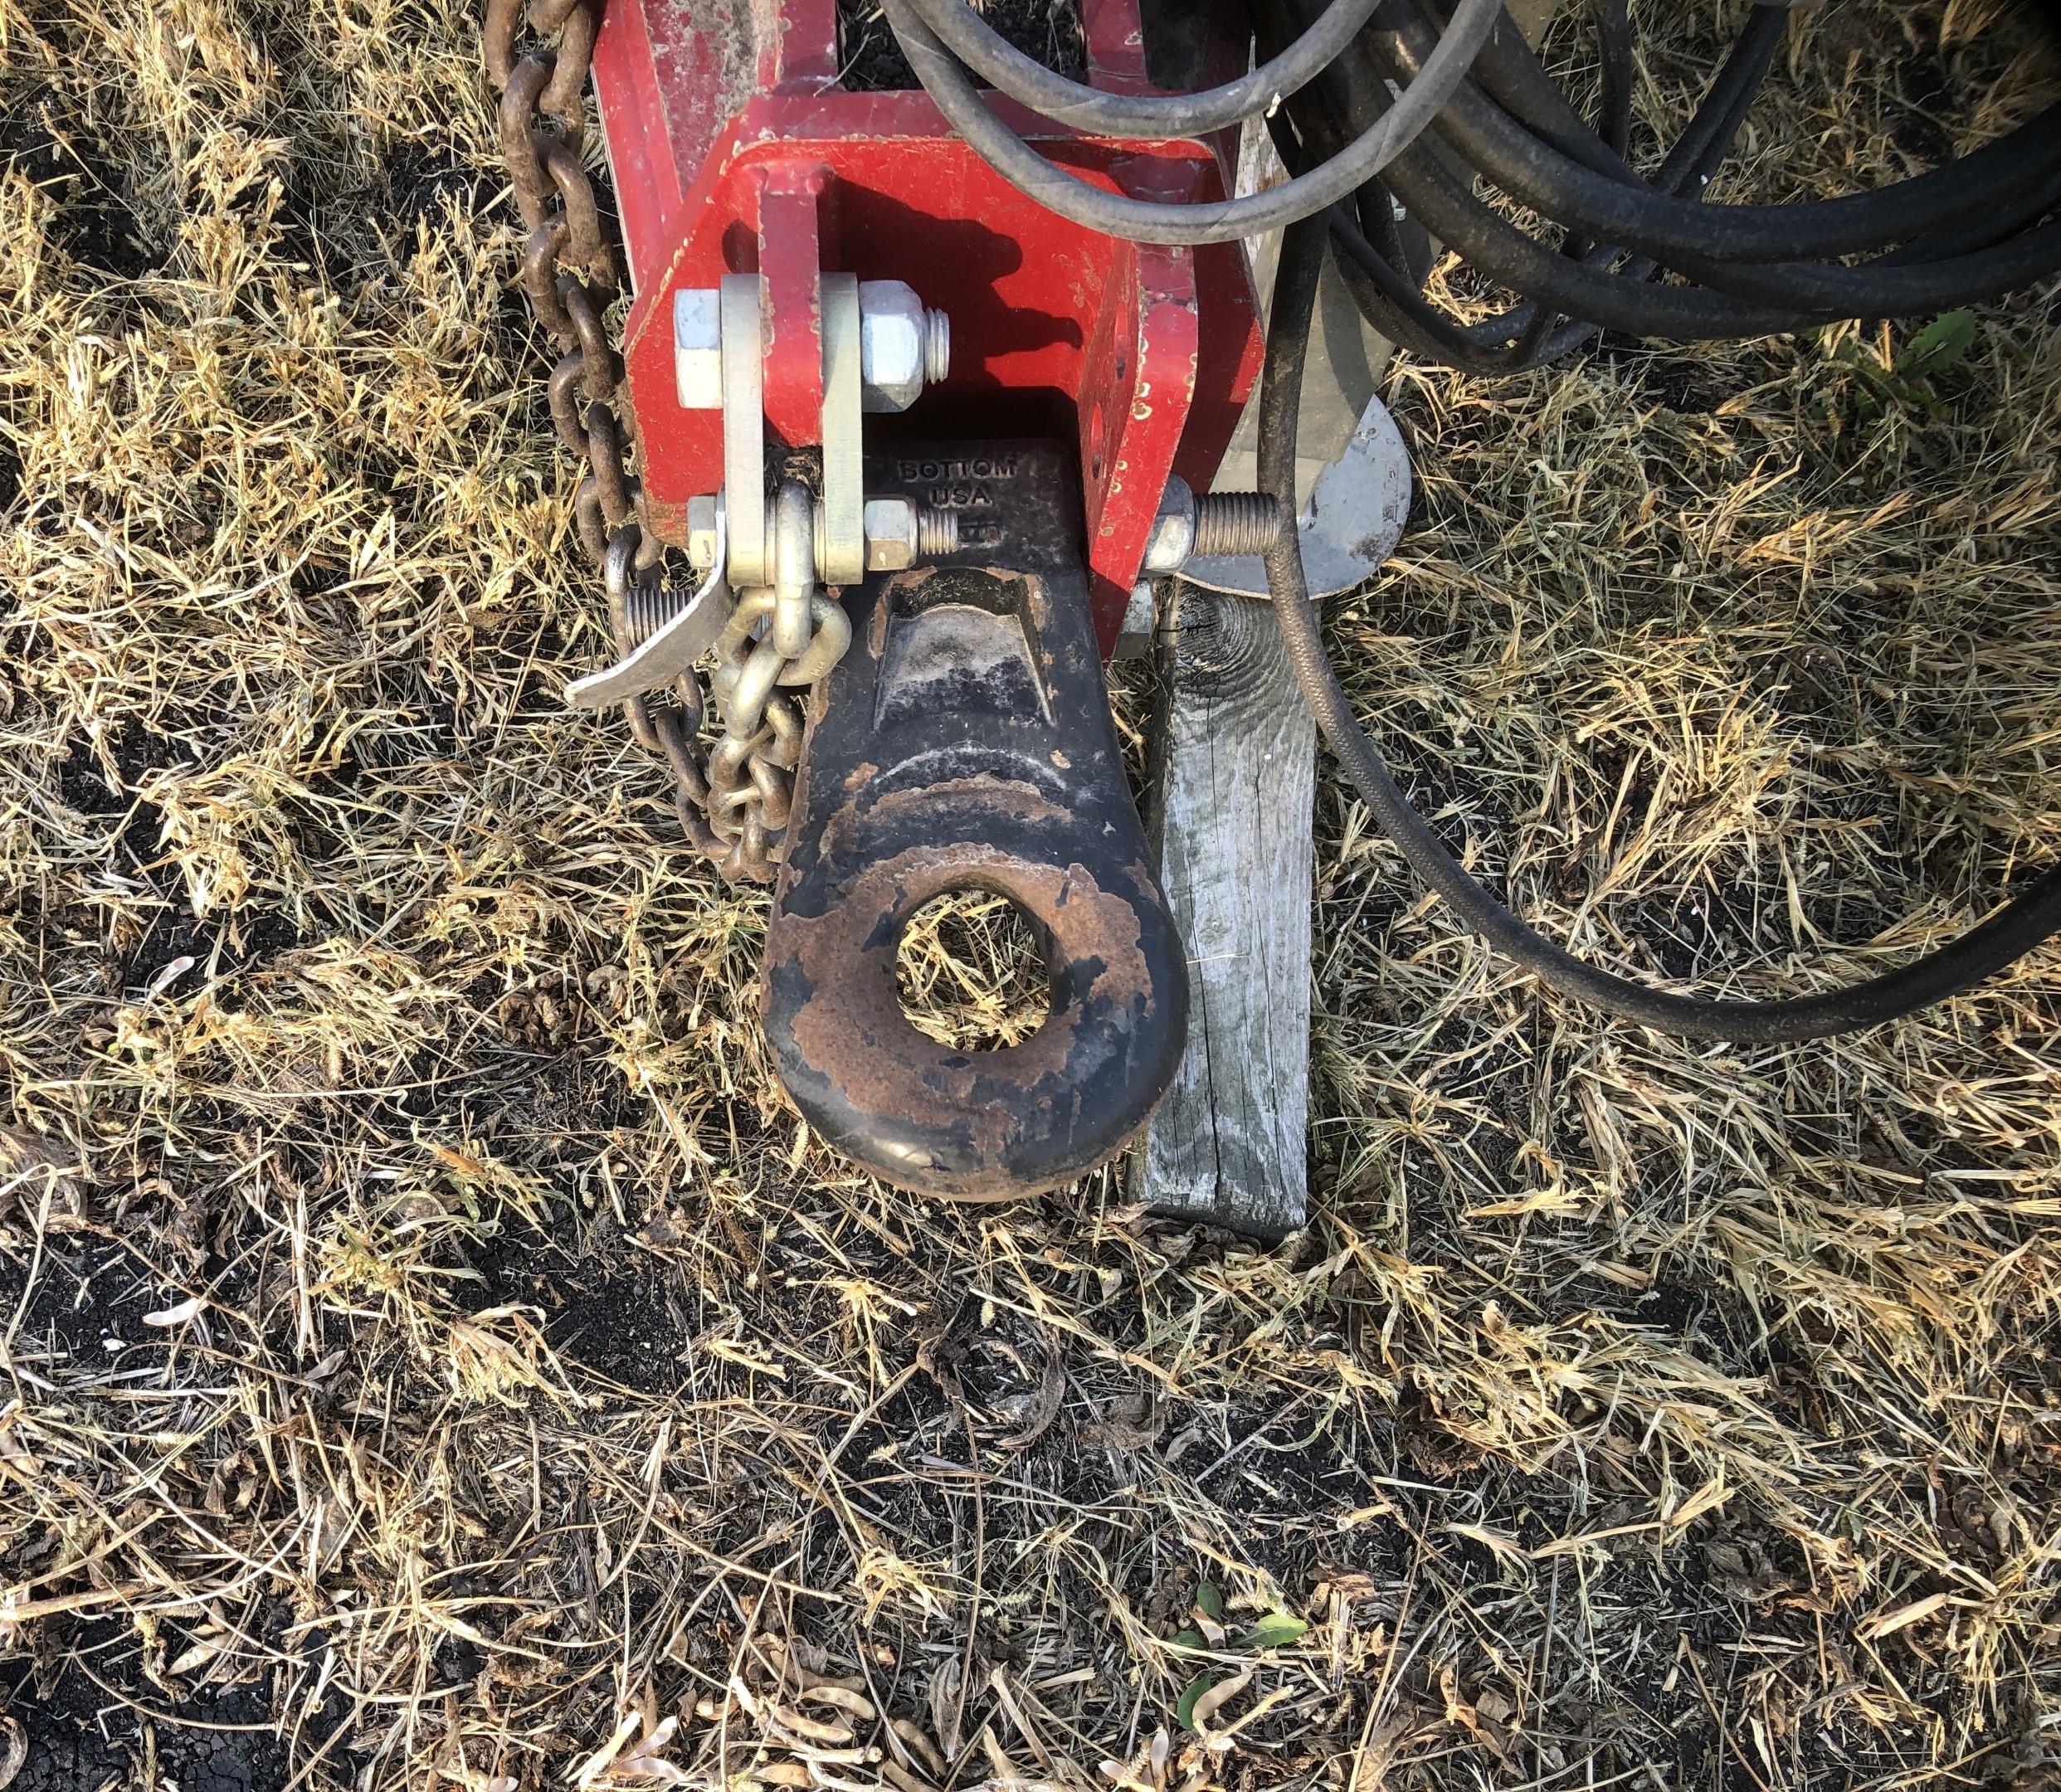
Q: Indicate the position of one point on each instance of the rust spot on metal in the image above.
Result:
(1014, 798)
(852, 1029)
(913, 579)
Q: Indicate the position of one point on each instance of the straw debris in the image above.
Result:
(437, 1357)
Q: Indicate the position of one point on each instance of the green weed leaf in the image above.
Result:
(1276, 1629)
(1938, 346)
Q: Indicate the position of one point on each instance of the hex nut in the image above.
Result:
(892, 339)
(697, 348)
(701, 534)
(890, 526)
(1172, 537)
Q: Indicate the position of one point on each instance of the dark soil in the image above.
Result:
(625, 1314)
(96, 1721)
(93, 1712)
(93, 220)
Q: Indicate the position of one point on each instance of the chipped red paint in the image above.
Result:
(717, 110)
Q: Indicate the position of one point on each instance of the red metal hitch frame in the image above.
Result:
(961, 736)
(734, 149)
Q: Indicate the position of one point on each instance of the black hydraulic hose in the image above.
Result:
(1388, 299)
(1983, 950)
(1514, 343)
(1925, 275)
(1613, 31)
(1354, 89)
(1210, 220)
(1521, 338)
(1690, 166)
(1387, 296)
(1030, 83)
(1438, 200)
(1371, 209)
(1883, 288)
(1887, 288)
(1622, 209)
(1387, 292)
(1981, 229)
(1508, 72)
(1915, 279)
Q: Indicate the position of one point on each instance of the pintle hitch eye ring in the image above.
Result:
(966, 744)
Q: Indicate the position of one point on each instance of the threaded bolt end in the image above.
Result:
(937, 531)
(645, 610)
(1234, 525)
(937, 346)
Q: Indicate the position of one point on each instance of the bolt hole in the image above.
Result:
(970, 972)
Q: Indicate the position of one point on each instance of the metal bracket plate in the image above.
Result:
(1350, 527)
(744, 430)
(843, 556)
(668, 650)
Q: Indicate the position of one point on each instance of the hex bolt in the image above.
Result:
(1172, 537)
(1216, 523)
(901, 345)
(900, 532)
(1234, 525)
(890, 526)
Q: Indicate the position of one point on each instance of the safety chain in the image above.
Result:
(732, 801)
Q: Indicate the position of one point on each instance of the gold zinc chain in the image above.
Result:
(732, 798)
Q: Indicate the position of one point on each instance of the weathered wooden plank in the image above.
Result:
(1233, 779)
(1229, 811)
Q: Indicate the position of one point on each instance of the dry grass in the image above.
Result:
(437, 1358)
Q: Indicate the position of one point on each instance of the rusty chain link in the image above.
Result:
(732, 801)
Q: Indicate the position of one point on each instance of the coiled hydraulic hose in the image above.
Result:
(1967, 230)
(976, 43)
(1963, 232)
(1527, 336)
(1210, 221)
(2009, 934)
